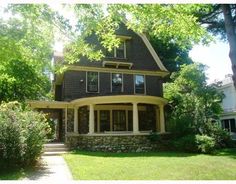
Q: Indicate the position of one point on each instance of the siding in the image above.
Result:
(136, 50)
(75, 85)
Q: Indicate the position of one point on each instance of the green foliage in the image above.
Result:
(221, 137)
(22, 135)
(21, 81)
(171, 54)
(186, 143)
(154, 137)
(51, 134)
(26, 41)
(172, 24)
(193, 103)
(205, 143)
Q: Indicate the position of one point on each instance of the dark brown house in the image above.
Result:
(116, 101)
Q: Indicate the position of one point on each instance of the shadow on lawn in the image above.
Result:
(147, 154)
(225, 152)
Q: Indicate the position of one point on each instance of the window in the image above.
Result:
(119, 52)
(92, 81)
(119, 120)
(104, 120)
(229, 125)
(116, 82)
(139, 84)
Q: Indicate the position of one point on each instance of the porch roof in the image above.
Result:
(98, 100)
(48, 104)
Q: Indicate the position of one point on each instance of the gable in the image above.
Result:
(139, 52)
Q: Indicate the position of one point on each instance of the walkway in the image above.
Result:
(53, 168)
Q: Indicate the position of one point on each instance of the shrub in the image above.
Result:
(154, 137)
(221, 137)
(186, 143)
(205, 144)
(22, 135)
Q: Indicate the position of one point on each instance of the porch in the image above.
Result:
(109, 115)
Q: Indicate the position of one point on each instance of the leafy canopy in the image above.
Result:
(170, 23)
(26, 41)
(193, 103)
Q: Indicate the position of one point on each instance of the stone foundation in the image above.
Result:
(115, 143)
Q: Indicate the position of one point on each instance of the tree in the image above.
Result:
(220, 19)
(193, 103)
(26, 41)
(173, 24)
(170, 54)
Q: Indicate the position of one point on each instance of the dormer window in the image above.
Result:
(119, 52)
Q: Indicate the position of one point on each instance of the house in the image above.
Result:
(228, 118)
(112, 104)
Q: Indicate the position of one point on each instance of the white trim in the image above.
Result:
(87, 82)
(144, 78)
(152, 51)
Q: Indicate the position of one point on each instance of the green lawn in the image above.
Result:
(13, 174)
(152, 166)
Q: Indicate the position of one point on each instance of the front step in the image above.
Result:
(52, 149)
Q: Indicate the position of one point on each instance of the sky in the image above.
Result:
(215, 56)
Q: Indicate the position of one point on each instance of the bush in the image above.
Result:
(205, 144)
(221, 137)
(186, 143)
(22, 135)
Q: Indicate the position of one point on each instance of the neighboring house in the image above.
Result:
(228, 118)
(117, 101)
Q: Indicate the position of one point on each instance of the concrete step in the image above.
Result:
(52, 149)
(54, 145)
(54, 153)
(48, 149)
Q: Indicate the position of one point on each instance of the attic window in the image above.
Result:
(119, 52)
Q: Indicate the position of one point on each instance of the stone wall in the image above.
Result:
(115, 143)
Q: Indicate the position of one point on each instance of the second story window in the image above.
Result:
(92, 81)
(119, 52)
(117, 82)
(139, 84)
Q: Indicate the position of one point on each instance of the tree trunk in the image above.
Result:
(231, 36)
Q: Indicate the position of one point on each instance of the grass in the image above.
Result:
(18, 173)
(13, 174)
(152, 166)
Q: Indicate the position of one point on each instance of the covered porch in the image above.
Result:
(109, 115)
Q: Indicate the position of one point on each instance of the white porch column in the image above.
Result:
(157, 119)
(162, 119)
(135, 118)
(76, 120)
(91, 119)
(66, 120)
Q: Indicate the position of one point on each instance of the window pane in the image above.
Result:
(110, 53)
(139, 84)
(119, 120)
(116, 82)
(120, 51)
(92, 81)
(104, 120)
(232, 125)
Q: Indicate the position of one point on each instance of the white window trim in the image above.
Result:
(87, 82)
(115, 54)
(122, 87)
(144, 79)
